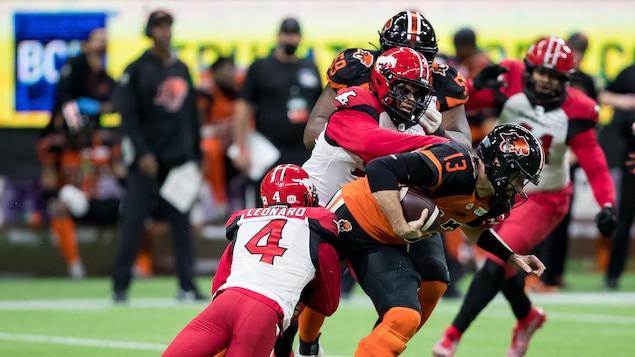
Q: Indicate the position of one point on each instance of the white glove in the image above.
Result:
(430, 120)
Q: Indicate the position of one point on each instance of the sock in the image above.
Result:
(310, 322)
(143, 263)
(389, 338)
(514, 291)
(284, 343)
(429, 295)
(483, 288)
(64, 228)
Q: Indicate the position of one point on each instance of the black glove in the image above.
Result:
(606, 221)
(487, 78)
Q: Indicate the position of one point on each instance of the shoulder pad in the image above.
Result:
(355, 96)
(578, 105)
(449, 86)
(351, 67)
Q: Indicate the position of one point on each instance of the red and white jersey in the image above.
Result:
(357, 132)
(276, 252)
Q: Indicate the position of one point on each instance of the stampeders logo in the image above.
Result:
(515, 143)
(171, 94)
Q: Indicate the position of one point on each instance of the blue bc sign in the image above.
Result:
(43, 42)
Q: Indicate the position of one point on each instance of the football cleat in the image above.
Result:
(447, 345)
(524, 330)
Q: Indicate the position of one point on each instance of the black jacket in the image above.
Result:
(158, 110)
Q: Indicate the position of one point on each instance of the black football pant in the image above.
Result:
(621, 238)
(140, 190)
(391, 274)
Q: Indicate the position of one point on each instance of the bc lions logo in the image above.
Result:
(514, 143)
(171, 94)
(365, 57)
(344, 225)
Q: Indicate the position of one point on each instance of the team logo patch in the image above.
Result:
(171, 94)
(365, 57)
(480, 211)
(469, 205)
(515, 143)
(344, 225)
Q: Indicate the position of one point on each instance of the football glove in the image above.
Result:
(487, 78)
(606, 221)
(430, 120)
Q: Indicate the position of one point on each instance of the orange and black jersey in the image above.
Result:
(446, 172)
(353, 66)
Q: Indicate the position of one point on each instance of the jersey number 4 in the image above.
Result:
(270, 235)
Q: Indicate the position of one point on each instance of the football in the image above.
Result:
(413, 201)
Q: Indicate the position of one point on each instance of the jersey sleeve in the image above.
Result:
(231, 227)
(324, 222)
(223, 270)
(495, 98)
(593, 162)
(351, 68)
(450, 86)
(354, 127)
(322, 294)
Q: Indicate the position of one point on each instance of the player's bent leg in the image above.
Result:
(429, 295)
(389, 338)
(310, 322)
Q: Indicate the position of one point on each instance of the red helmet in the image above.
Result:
(553, 55)
(288, 185)
(409, 29)
(392, 71)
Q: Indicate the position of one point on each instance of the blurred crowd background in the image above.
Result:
(218, 40)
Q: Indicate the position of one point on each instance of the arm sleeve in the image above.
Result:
(386, 173)
(323, 292)
(126, 100)
(593, 162)
(368, 140)
(224, 268)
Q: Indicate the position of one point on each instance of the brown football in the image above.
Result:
(413, 201)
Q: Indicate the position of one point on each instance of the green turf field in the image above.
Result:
(58, 317)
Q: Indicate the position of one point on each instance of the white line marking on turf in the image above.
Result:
(62, 340)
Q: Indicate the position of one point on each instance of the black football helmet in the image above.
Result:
(510, 149)
(409, 29)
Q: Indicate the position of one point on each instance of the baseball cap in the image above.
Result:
(158, 17)
(290, 25)
(578, 41)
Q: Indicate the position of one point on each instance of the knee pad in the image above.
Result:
(403, 320)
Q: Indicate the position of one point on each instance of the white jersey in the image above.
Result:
(330, 167)
(551, 128)
(272, 255)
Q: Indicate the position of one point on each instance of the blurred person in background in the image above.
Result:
(540, 99)
(81, 161)
(160, 129)
(620, 94)
(216, 104)
(278, 93)
(298, 265)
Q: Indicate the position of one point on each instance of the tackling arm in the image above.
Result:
(319, 116)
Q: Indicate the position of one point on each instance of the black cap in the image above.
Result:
(465, 37)
(290, 25)
(578, 42)
(158, 17)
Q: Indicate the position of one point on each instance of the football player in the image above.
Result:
(287, 244)
(400, 92)
(466, 189)
(536, 95)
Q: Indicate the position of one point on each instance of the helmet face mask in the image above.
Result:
(288, 185)
(409, 29)
(512, 157)
(402, 81)
(550, 56)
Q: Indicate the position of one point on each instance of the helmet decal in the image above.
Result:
(512, 142)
